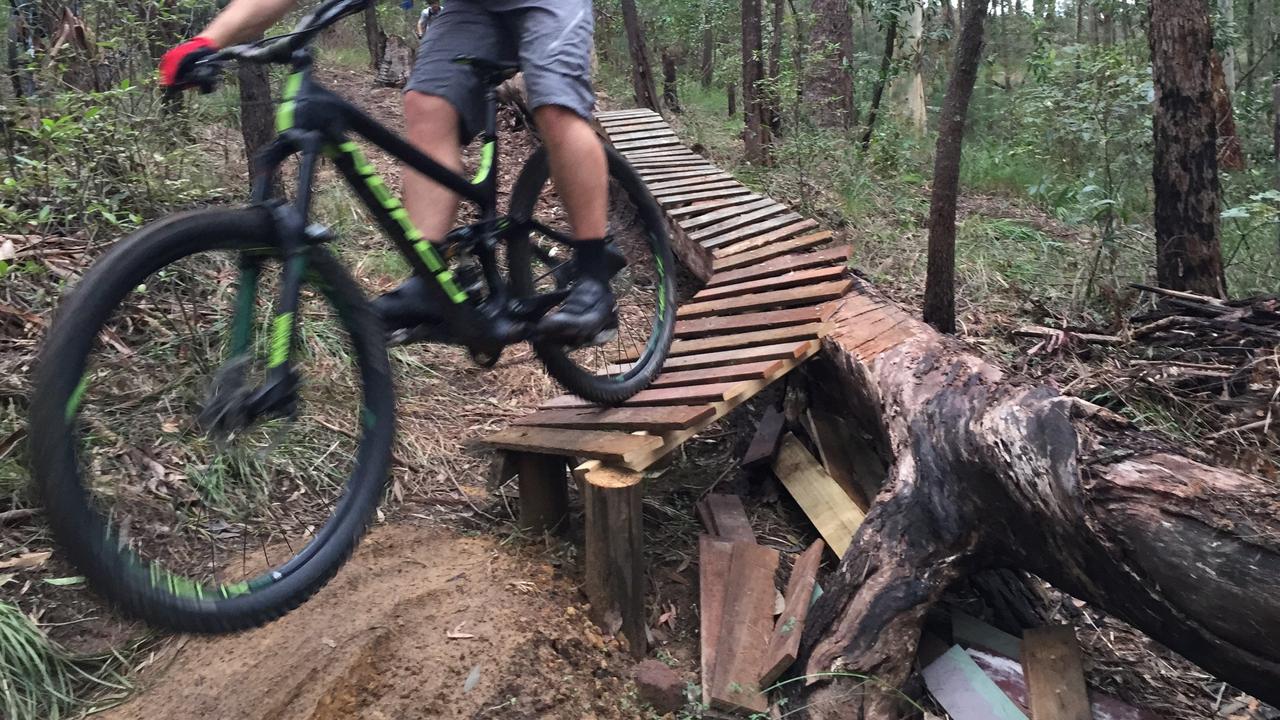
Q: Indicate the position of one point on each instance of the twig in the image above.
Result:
(9, 516)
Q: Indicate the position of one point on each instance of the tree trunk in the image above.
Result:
(257, 113)
(1230, 153)
(877, 92)
(670, 82)
(642, 84)
(1185, 168)
(1227, 11)
(731, 94)
(939, 291)
(708, 53)
(828, 84)
(755, 133)
(373, 36)
(915, 82)
(1251, 45)
(1105, 513)
(797, 54)
(773, 90)
(1275, 142)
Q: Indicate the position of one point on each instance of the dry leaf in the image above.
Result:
(26, 561)
(6, 250)
(457, 634)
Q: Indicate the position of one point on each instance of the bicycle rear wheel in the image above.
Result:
(188, 531)
(645, 289)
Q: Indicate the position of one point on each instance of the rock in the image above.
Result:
(660, 686)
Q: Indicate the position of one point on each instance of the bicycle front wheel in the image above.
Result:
(184, 529)
(645, 288)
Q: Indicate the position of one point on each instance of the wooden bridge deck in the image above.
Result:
(770, 280)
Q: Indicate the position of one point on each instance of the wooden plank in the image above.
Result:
(805, 295)
(669, 163)
(598, 445)
(727, 518)
(673, 142)
(768, 238)
(965, 692)
(1051, 663)
(732, 262)
(614, 128)
(745, 627)
(764, 443)
(835, 450)
(668, 174)
(753, 321)
(690, 182)
(713, 576)
(635, 112)
(721, 215)
(673, 440)
(763, 226)
(781, 351)
(654, 419)
(706, 205)
(1007, 675)
(697, 186)
(777, 282)
(544, 491)
(786, 263)
(827, 506)
(784, 644)
(663, 153)
(739, 340)
(761, 215)
(642, 135)
(684, 395)
(746, 371)
(739, 190)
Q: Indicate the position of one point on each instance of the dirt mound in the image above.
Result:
(422, 623)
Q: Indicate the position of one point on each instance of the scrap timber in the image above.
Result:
(769, 277)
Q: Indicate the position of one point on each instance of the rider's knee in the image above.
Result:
(428, 112)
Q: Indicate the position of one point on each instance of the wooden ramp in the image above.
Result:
(769, 285)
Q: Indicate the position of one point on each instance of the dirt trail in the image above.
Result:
(375, 644)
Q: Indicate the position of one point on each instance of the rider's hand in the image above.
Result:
(177, 65)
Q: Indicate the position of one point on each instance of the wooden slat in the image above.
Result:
(744, 629)
(770, 336)
(784, 264)
(652, 419)
(668, 163)
(614, 115)
(703, 206)
(614, 128)
(663, 134)
(751, 231)
(683, 395)
(725, 517)
(673, 142)
(726, 192)
(663, 153)
(696, 187)
(612, 447)
(809, 294)
(764, 443)
(659, 188)
(1051, 663)
(836, 451)
(784, 644)
(713, 576)
(752, 321)
(826, 505)
(777, 282)
(713, 218)
(758, 241)
(723, 227)
(662, 174)
(781, 351)
(724, 373)
(747, 259)
(965, 692)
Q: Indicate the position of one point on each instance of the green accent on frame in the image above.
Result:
(281, 334)
(284, 116)
(486, 162)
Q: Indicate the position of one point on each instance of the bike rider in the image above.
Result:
(444, 108)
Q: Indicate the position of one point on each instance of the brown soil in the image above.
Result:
(397, 634)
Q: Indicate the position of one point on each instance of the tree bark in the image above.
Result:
(731, 95)
(1275, 143)
(374, 36)
(755, 133)
(1230, 153)
(828, 84)
(939, 292)
(877, 92)
(708, 53)
(915, 82)
(797, 53)
(1185, 168)
(1083, 500)
(1227, 11)
(646, 93)
(257, 112)
(670, 82)
(773, 90)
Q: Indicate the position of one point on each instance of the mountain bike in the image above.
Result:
(213, 413)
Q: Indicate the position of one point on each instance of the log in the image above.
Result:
(614, 548)
(989, 471)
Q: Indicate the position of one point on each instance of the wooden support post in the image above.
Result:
(544, 491)
(615, 553)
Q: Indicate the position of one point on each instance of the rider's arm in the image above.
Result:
(245, 20)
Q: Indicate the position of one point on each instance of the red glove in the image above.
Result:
(177, 63)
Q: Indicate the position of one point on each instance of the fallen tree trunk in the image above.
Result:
(986, 471)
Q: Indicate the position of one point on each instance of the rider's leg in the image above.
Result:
(431, 123)
(580, 173)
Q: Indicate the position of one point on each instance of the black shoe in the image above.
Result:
(589, 315)
(408, 306)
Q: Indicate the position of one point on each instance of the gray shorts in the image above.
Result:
(551, 39)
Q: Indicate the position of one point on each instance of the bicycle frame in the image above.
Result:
(312, 122)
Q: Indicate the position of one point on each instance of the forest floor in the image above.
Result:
(446, 610)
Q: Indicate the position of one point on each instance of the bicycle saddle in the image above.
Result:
(493, 72)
